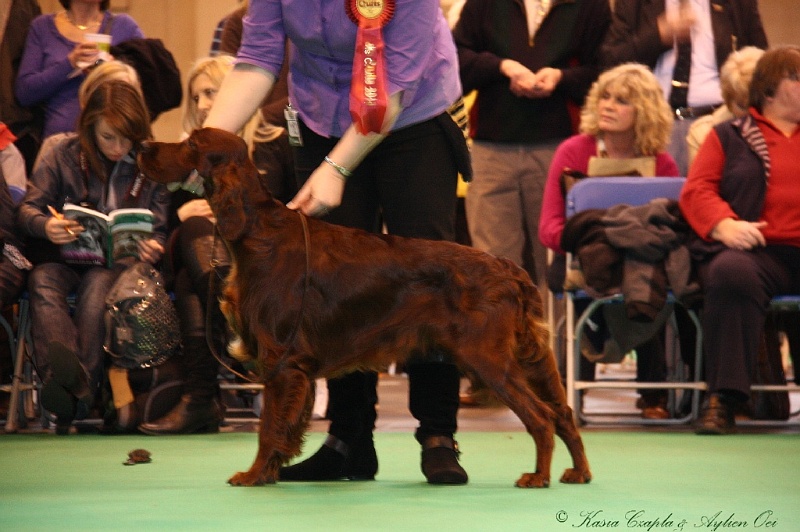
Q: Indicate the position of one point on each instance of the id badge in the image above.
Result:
(292, 126)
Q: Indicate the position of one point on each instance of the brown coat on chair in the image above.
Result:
(311, 299)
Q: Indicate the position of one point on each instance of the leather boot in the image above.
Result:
(67, 393)
(716, 416)
(335, 460)
(187, 417)
(440, 461)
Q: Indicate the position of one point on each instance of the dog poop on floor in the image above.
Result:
(138, 456)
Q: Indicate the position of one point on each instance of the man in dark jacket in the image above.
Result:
(532, 64)
(654, 32)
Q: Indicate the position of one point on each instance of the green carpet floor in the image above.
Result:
(686, 482)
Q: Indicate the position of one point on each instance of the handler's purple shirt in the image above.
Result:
(420, 57)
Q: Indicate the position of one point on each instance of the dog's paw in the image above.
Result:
(576, 476)
(533, 480)
(248, 479)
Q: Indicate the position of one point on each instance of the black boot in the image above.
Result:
(187, 417)
(67, 393)
(440, 461)
(335, 460)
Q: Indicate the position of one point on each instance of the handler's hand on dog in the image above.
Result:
(321, 193)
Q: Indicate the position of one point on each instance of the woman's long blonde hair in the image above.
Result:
(104, 72)
(216, 68)
(636, 84)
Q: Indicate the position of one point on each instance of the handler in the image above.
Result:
(375, 148)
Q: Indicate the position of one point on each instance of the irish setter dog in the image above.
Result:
(311, 299)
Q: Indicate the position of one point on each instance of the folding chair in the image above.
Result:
(602, 193)
(21, 403)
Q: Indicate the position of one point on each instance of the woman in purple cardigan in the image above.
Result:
(57, 57)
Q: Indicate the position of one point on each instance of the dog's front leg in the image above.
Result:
(288, 400)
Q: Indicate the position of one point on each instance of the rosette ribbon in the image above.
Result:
(368, 98)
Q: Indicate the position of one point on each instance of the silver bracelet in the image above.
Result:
(344, 172)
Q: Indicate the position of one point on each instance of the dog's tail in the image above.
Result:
(532, 331)
(533, 344)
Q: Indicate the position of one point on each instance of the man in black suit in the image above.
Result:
(653, 32)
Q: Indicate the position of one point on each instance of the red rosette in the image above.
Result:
(368, 98)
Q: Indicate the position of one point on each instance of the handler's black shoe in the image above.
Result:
(335, 460)
(440, 461)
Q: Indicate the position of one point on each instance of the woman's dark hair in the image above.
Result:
(103, 5)
(122, 107)
(773, 67)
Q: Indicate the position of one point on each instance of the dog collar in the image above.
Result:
(193, 184)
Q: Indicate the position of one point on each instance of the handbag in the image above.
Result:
(142, 328)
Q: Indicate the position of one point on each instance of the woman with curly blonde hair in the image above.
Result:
(625, 119)
(636, 85)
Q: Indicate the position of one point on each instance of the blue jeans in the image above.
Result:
(81, 329)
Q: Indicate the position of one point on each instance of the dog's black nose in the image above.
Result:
(145, 147)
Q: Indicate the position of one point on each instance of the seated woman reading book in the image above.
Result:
(95, 167)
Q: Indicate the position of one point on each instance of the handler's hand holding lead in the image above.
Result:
(320, 194)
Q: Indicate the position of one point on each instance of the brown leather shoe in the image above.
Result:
(653, 408)
(187, 417)
(716, 416)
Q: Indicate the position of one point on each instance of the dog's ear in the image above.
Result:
(218, 148)
(229, 202)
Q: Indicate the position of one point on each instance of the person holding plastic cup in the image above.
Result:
(59, 50)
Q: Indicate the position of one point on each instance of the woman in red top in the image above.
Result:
(742, 198)
(625, 117)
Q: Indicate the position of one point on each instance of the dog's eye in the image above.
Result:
(191, 144)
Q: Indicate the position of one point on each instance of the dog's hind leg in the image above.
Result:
(551, 391)
(288, 400)
(579, 473)
(511, 387)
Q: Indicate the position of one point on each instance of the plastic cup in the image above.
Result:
(103, 41)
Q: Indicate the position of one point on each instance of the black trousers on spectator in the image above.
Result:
(738, 286)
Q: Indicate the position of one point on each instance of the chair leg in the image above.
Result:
(18, 384)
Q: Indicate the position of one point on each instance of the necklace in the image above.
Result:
(82, 27)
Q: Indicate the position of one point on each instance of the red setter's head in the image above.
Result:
(221, 159)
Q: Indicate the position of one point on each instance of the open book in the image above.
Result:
(106, 237)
